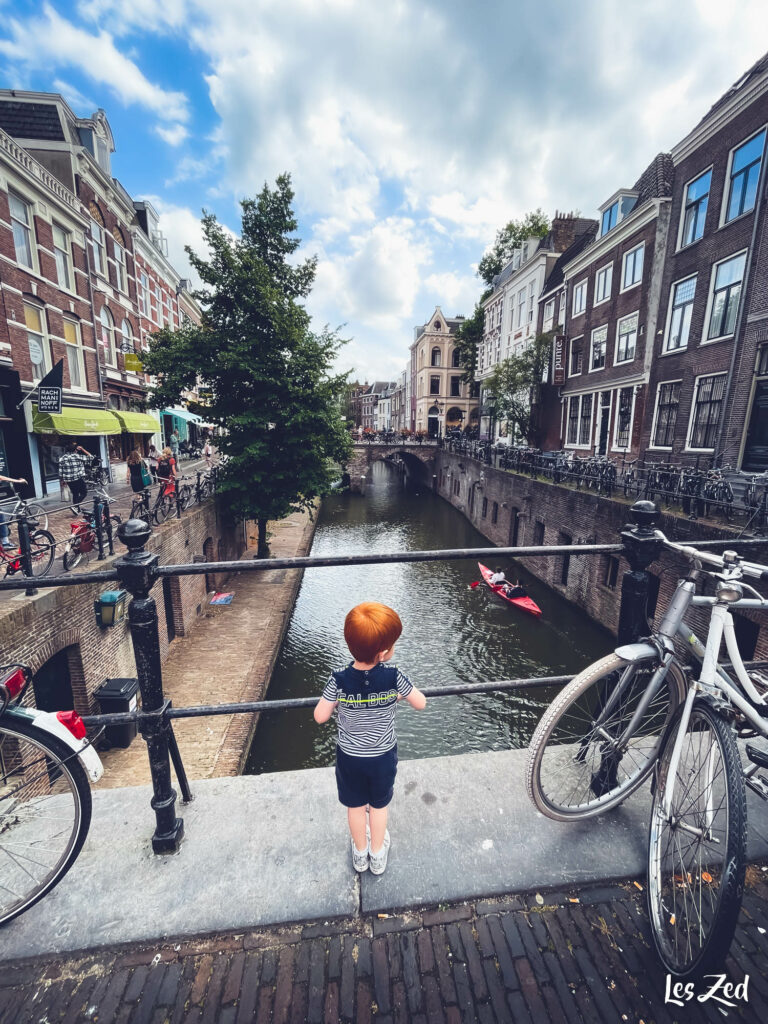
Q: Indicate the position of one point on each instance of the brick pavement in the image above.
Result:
(573, 956)
(228, 656)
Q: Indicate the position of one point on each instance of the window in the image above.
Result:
(485, 508)
(574, 366)
(456, 358)
(667, 403)
(127, 336)
(158, 306)
(762, 361)
(531, 299)
(585, 420)
(108, 336)
(21, 223)
(538, 533)
(97, 241)
(695, 208)
(561, 309)
(119, 261)
(520, 307)
(144, 294)
(39, 348)
(705, 416)
(633, 267)
(611, 575)
(435, 357)
(455, 387)
(683, 293)
(549, 315)
(623, 418)
(724, 304)
(603, 283)
(609, 218)
(579, 298)
(61, 252)
(495, 512)
(74, 350)
(626, 338)
(599, 338)
(745, 174)
(572, 432)
(434, 385)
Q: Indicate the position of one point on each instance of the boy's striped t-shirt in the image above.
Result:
(367, 701)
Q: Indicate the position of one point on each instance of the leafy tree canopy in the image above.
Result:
(515, 384)
(468, 336)
(509, 238)
(265, 376)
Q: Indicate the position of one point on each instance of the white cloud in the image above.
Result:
(59, 43)
(73, 96)
(174, 135)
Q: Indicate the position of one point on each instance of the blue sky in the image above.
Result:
(412, 130)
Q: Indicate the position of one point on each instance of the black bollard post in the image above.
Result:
(176, 492)
(641, 547)
(26, 554)
(137, 572)
(98, 525)
(198, 489)
(108, 529)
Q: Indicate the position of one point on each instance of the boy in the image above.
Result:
(366, 695)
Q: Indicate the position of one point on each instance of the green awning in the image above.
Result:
(138, 422)
(74, 421)
(182, 414)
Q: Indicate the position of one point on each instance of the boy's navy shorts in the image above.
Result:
(366, 780)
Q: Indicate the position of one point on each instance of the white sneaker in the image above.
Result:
(360, 859)
(378, 861)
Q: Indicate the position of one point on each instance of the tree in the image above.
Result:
(509, 238)
(468, 337)
(514, 387)
(267, 377)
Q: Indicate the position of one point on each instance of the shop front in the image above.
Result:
(138, 430)
(89, 428)
(186, 422)
(14, 451)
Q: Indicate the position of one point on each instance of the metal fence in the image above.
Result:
(723, 494)
(139, 570)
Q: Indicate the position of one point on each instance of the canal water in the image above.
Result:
(451, 633)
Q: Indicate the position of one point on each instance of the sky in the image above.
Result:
(412, 130)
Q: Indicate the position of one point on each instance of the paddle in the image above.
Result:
(477, 583)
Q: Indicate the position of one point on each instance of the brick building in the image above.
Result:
(612, 292)
(709, 374)
(440, 398)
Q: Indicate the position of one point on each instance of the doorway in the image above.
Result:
(52, 684)
(756, 448)
(605, 419)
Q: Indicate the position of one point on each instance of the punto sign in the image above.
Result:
(559, 363)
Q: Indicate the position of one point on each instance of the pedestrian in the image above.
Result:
(208, 453)
(365, 695)
(153, 455)
(5, 533)
(174, 443)
(72, 466)
(135, 471)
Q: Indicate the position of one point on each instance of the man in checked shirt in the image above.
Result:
(72, 465)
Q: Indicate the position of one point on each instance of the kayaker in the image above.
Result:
(517, 591)
(498, 576)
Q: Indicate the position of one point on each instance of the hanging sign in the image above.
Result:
(133, 362)
(49, 390)
(559, 365)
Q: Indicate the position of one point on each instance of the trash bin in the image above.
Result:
(116, 695)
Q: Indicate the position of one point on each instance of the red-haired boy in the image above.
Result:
(365, 696)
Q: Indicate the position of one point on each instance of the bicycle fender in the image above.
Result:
(636, 652)
(48, 721)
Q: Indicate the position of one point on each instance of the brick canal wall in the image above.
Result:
(61, 622)
(513, 510)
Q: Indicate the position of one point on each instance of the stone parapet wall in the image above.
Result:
(34, 629)
(548, 514)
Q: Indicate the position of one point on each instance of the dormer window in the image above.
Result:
(437, 325)
(616, 210)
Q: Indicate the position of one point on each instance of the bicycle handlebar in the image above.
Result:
(753, 569)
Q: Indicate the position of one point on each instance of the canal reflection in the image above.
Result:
(451, 632)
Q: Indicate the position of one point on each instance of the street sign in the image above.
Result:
(133, 362)
(49, 390)
(559, 367)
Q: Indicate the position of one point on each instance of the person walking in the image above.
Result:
(154, 457)
(5, 533)
(174, 443)
(72, 466)
(208, 453)
(135, 472)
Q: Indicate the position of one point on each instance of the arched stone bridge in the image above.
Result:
(364, 455)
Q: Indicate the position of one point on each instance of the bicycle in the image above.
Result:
(42, 551)
(634, 714)
(157, 513)
(82, 537)
(25, 508)
(45, 796)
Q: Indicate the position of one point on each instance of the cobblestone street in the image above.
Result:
(576, 956)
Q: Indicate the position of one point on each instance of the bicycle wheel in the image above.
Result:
(185, 496)
(575, 768)
(162, 509)
(45, 812)
(73, 557)
(43, 550)
(697, 853)
(38, 513)
(140, 510)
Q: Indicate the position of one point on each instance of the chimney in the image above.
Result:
(563, 230)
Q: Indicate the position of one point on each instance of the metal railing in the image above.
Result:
(139, 570)
(732, 496)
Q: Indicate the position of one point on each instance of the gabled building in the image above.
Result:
(440, 399)
(611, 290)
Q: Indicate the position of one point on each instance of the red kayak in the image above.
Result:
(524, 603)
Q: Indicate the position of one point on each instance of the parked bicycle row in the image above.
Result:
(724, 493)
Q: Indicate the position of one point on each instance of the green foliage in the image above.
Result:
(533, 225)
(267, 377)
(468, 337)
(514, 386)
